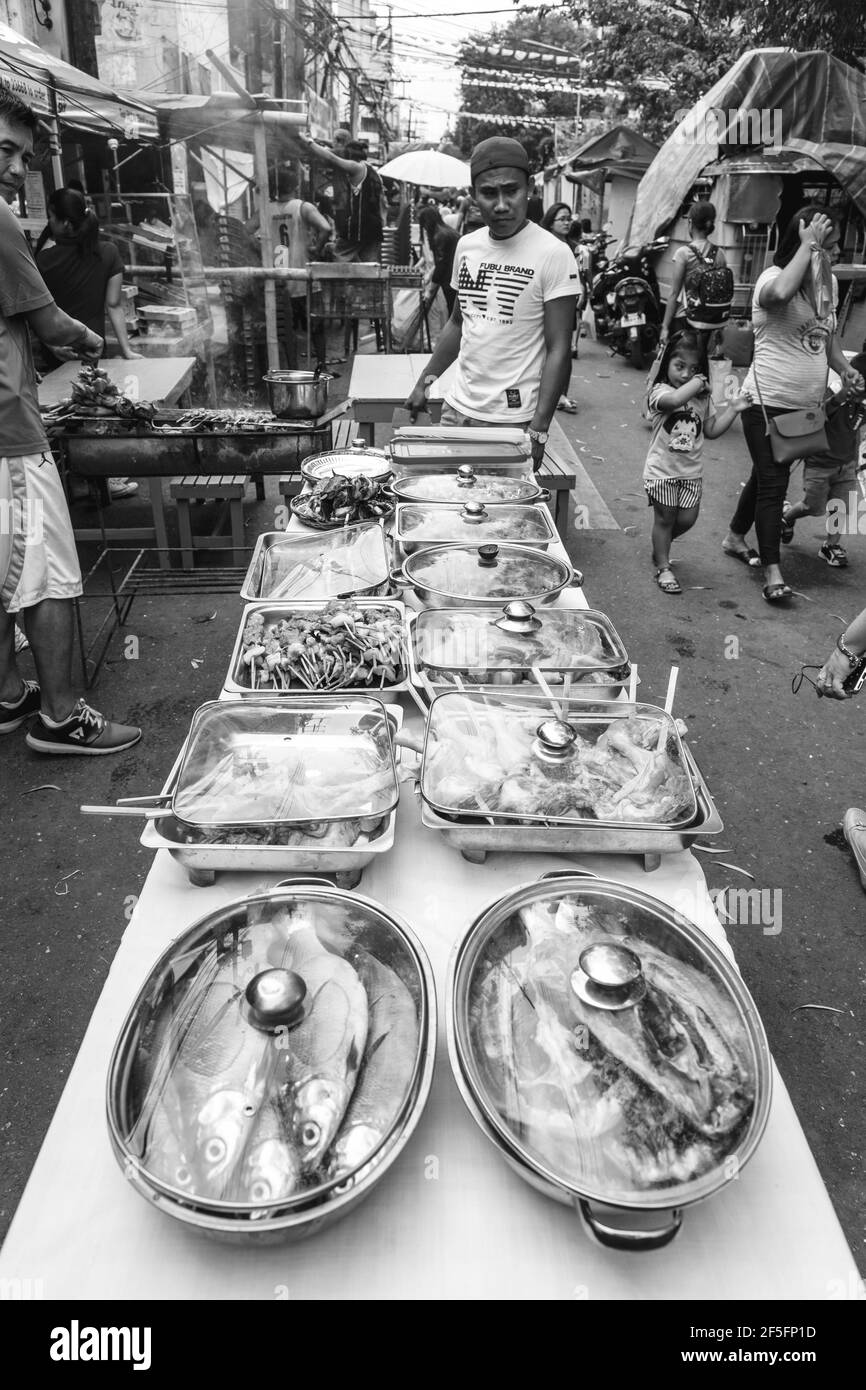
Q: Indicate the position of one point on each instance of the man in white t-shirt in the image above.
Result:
(511, 325)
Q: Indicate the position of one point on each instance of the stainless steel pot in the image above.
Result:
(543, 576)
(297, 395)
(578, 1016)
(218, 1112)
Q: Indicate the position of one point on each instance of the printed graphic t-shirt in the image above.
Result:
(21, 290)
(677, 436)
(790, 349)
(503, 287)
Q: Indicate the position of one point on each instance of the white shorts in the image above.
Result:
(38, 559)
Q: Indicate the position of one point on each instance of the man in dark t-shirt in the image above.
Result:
(39, 572)
(360, 209)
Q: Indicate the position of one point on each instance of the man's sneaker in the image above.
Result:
(85, 731)
(122, 487)
(13, 713)
(835, 554)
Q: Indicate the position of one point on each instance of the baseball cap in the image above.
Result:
(496, 153)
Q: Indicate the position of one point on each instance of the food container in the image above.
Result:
(321, 768)
(293, 852)
(366, 623)
(480, 647)
(609, 1051)
(441, 451)
(353, 560)
(297, 395)
(450, 576)
(475, 839)
(359, 460)
(529, 761)
(464, 484)
(230, 1107)
(420, 524)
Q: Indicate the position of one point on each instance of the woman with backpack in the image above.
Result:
(696, 300)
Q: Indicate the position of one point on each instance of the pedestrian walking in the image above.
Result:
(681, 415)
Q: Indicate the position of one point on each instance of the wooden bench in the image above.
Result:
(230, 489)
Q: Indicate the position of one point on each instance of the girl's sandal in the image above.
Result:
(670, 584)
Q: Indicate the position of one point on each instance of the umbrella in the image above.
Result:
(428, 167)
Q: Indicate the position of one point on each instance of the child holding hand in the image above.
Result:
(682, 415)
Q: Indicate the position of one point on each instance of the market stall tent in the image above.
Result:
(807, 104)
(610, 166)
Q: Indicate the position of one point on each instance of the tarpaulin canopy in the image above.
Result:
(809, 104)
(55, 88)
(224, 117)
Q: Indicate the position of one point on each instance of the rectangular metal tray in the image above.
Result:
(274, 611)
(579, 690)
(476, 841)
(203, 862)
(435, 454)
(250, 589)
(471, 535)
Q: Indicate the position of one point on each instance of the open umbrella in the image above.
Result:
(428, 167)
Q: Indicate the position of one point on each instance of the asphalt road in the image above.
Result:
(782, 769)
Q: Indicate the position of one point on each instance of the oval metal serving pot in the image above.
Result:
(470, 514)
(307, 1212)
(405, 488)
(438, 598)
(297, 395)
(655, 1220)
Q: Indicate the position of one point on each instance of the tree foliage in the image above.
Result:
(665, 56)
(516, 102)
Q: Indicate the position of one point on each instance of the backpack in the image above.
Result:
(709, 291)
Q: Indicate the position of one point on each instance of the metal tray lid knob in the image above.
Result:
(275, 999)
(518, 616)
(487, 555)
(609, 976)
(474, 512)
(554, 741)
(466, 476)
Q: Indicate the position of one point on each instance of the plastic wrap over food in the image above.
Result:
(633, 1101)
(501, 649)
(271, 1054)
(256, 762)
(329, 565)
(529, 760)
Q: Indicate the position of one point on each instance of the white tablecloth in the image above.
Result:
(449, 1219)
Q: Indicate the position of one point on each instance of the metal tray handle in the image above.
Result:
(621, 1238)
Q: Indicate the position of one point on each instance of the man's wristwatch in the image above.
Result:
(846, 651)
(429, 380)
(537, 436)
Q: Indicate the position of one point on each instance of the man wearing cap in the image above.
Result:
(511, 325)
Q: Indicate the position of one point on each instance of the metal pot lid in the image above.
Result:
(358, 460)
(274, 1056)
(278, 762)
(530, 760)
(608, 1043)
(487, 571)
(454, 522)
(465, 484)
(325, 565)
(285, 377)
(476, 642)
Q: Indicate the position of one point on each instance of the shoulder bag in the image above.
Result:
(796, 434)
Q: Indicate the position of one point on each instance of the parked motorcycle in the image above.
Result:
(626, 302)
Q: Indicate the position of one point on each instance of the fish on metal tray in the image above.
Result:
(387, 1070)
(271, 1166)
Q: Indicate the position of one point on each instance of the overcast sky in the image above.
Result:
(425, 49)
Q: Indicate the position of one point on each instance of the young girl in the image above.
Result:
(682, 414)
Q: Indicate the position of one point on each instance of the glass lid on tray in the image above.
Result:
(483, 646)
(464, 485)
(272, 1057)
(257, 762)
(472, 522)
(492, 453)
(330, 565)
(487, 571)
(609, 1043)
(535, 761)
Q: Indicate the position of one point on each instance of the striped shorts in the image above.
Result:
(38, 558)
(674, 492)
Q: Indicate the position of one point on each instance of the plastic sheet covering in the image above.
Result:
(822, 106)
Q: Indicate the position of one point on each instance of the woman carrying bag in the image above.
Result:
(795, 348)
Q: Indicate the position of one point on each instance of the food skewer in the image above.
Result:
(557, 709)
